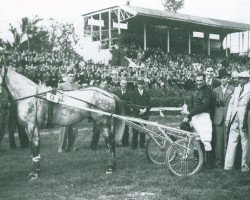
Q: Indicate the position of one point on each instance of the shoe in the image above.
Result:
(71, 149)
(228, 169)
(125, 144)
(218, 166)
(93, 147)
(245, 169)
(209, 161)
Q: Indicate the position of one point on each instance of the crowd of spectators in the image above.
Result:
(159, 68)
(180, 69)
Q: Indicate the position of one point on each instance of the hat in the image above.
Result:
(234, 74)
(140, 80)
(244, 74)
(223, 73)
(70, 71)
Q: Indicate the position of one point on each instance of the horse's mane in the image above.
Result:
(104, 92)
(24, 79)
(20, 76)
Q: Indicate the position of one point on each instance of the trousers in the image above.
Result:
(202, 125)
(67, 138)
(235, 134)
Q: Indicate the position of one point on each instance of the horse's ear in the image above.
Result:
(3, 71)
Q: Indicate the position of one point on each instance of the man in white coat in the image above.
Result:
(235, 116)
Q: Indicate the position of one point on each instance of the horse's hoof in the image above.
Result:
(109, 171)
(60, 150)
(32, 176)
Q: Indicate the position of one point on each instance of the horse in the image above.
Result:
(33, 112)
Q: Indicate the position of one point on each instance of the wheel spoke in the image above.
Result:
(183, 161)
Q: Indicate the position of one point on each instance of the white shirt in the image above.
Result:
(209, 81)
(140, 91)
(224, 88)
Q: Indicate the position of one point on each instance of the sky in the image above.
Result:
(12, 11)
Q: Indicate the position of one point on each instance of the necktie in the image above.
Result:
(224, 89)
(242, 89)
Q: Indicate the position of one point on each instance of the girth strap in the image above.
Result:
(50, 110)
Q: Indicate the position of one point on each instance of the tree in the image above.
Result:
(54, 37)
(37, 37)
(64, 38)
(172, 5)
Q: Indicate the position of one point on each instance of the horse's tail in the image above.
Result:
(118, 124)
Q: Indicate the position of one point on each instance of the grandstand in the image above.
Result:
(173, 32)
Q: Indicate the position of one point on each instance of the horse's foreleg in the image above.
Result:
(110, 142)
(35, 151)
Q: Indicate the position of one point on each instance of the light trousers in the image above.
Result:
(202, 125)
(235, 134)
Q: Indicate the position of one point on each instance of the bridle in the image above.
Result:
(3, 84)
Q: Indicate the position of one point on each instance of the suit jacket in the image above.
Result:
(140, 102)
(67, 86)
(200, 101)
(238, 103)
(126, 99)
(215, 83)
(220, 104)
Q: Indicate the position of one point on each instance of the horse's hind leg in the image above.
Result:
(110, 142)
(35, 151)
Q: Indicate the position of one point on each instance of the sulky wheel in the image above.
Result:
(155, 153)
(182, 161)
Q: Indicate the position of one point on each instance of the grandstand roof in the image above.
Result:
(160, 14)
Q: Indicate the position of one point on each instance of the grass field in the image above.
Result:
(81, 175)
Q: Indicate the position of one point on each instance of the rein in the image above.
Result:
(37, 95)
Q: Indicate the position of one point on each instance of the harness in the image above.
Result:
(52, 93)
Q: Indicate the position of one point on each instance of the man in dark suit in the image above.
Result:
(221, 97)
(141, 105)
(210, 80)
(125, 95)
(96, 132)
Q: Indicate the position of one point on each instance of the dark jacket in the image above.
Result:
(126, 100)
(220, 103)
(215, 83)
(200, 101)
(140, 102)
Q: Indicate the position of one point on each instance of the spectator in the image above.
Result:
(96, 131)
(221, 98)
(67, 135)
(125, 96)
(235, 116)
(4, 106)
(141, 105)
